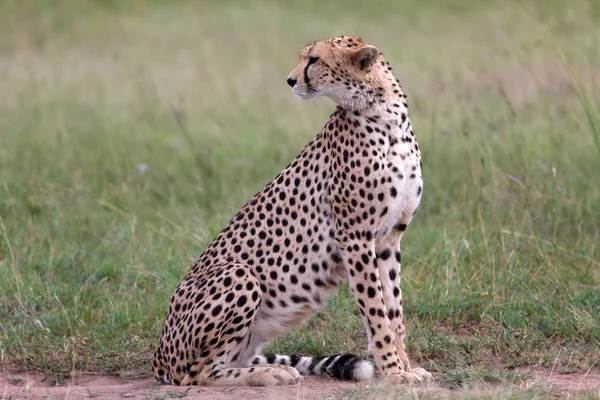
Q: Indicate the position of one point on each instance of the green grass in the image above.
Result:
(130, 132)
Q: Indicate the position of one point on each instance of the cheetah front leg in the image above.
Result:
(365, 284)
(389, 267)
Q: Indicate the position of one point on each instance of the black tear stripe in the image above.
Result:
(310, 62)
(306, 80)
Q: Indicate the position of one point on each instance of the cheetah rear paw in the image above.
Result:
(415, 375)
(274, 376)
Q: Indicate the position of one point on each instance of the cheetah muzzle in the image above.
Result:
(336, 213)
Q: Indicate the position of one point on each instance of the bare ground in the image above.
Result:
(25, 385)
(28, 385)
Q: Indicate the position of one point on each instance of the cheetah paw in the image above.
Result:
(293, 373)
(275, 376)
(415, 375)
(423, 375)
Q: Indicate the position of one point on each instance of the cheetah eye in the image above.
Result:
(312, 60)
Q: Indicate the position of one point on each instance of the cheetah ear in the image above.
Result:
(365, 56)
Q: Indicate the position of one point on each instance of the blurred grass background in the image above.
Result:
(130, 132)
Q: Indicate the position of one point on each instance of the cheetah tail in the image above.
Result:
(347, 366)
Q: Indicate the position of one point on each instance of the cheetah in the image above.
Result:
(337, 213)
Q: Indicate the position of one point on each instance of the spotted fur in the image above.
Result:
(336, 213)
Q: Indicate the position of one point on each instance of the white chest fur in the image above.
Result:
(404, 167)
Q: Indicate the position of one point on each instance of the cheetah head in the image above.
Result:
(340, 68)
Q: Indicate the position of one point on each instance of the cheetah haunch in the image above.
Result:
(336, 213)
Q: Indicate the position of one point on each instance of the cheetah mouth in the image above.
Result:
(305, 94)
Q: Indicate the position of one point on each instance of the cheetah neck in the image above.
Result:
(397, 129)
(380, 99)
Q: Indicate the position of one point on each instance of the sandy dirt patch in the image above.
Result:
(24, 385)
(27, 385)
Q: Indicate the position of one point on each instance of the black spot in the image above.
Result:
(385, 254)
(393, 274)
(298, 299)
(216, 311)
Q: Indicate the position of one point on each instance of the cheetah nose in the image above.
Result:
(291, 81)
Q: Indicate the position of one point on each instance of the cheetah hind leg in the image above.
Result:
(212, 366)
(345, 367)
(219, 373)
